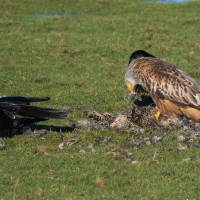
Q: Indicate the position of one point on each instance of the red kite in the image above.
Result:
(172, 90)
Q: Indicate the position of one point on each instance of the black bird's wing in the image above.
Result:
(33, 111)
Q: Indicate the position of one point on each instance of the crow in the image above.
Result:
(16, 112)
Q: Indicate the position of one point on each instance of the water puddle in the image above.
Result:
(54, 15)
(169, 1)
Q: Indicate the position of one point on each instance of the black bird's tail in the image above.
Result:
(33, 111)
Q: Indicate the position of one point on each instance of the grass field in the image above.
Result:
(80, 60)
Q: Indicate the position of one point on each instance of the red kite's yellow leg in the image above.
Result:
(157, 115)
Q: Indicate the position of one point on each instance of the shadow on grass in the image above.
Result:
(39, 129)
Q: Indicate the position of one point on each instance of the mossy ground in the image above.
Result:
(80, 60)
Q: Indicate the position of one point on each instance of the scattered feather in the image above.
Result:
(65, 144)
(181, 148)
(189, 159)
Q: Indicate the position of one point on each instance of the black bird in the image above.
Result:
(10, 107)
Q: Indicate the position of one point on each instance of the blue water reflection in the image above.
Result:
(54, 15)
(169, 1)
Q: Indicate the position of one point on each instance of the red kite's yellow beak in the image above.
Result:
(131, 88)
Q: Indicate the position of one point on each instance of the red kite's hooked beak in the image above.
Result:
(131, 88)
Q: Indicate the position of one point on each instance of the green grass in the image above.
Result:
(81, 61)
